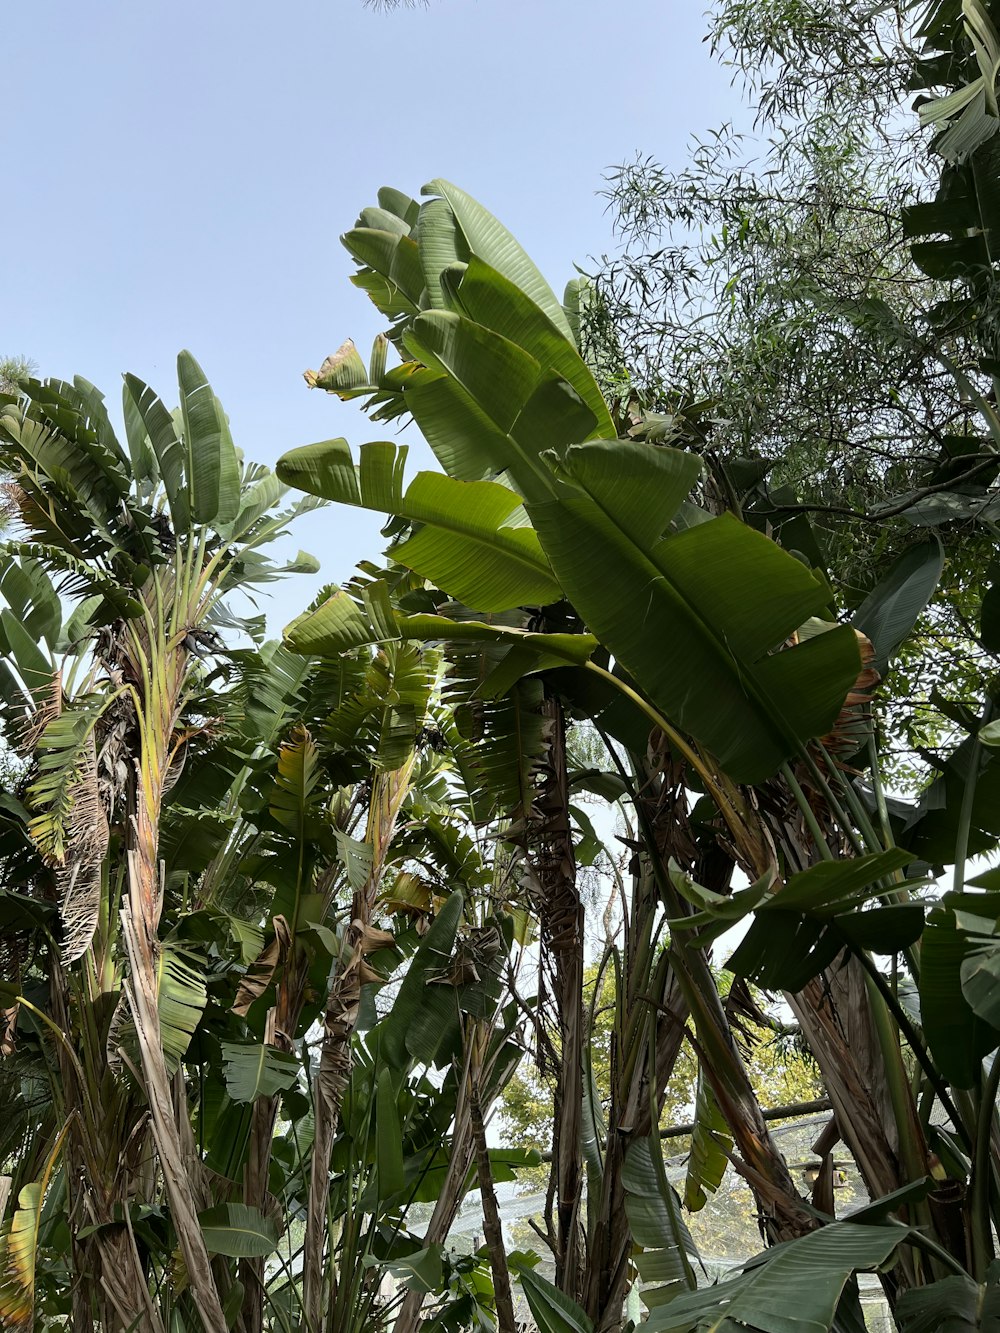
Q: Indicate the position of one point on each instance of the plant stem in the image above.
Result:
(836, 809)
(917, 1046)
(808, 814)
(492, 1227)
(982, 1173)
(968, 799)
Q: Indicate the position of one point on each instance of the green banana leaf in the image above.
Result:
(253, 1069)
(487, 406)
(956, 1304)
(958, 1010)
(889, 612)
(801, 929)
(710, 1144)
(394, 1040)
(658, 1227)
(340, 624)
(152, 440)
(211, 465)
(551, 1309)
(793, 1288)
(18, 1252)
(181, 998)
(483, 235)
(238, 1231)
(474, 541)
(695, 616)
(486, 297)
(389, 1136)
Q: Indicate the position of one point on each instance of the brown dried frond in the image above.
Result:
(116, 1034)
(48, 709)
(8, 1024)
(853, 725)
(79, 878)
(261, 971)
(114, 757)
(12, 499)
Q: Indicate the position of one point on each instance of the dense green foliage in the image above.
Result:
(283, 923)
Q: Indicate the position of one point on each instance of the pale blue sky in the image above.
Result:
(179, 172)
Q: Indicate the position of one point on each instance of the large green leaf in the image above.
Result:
(253, 1069)
(181, 999)
(474, 541)
(954, 1304)
(34, 602)
(495, 744)
(467, 444)
(695, 616)
(144, 413)
(441, 244)
(18, 1251)
(63, 454)
(420, 1271)
(494, 301)
(551, 1309)
(156, 448)
(959, 938)
(297, 774)
(710, 1143)
(388, 1135)
(654, 1214)
(339, 625)
(32, 665)
(432, 955)
(801, 929)
(526, 407)
(238, 1231)
(211, 467)
(19, 912)
(794, 1288)
(889, 612)
(485, 236)
(969, 114)
(426, 1177)
(395, 258)
(382, 718)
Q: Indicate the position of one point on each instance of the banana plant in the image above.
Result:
(543, 523)
(113, 710)
(694, 624)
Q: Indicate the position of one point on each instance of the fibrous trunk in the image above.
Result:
(560, 913)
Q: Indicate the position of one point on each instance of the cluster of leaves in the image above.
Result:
(768, 303)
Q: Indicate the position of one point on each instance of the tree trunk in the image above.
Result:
(561, 918)
(162, 679)
(492, 1227)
